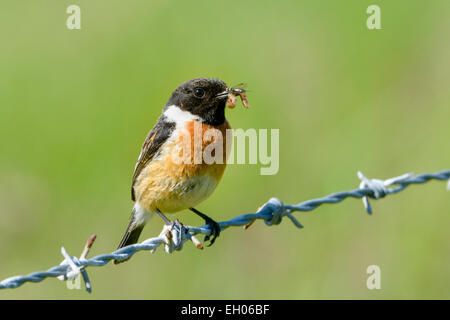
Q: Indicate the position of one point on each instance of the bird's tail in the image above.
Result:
(132, 233)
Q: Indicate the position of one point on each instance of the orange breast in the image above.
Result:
(203, 148)
(171, 185)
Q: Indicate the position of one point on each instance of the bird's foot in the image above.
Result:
(177, 223)
(213, 225)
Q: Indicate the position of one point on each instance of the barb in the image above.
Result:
(272, 212)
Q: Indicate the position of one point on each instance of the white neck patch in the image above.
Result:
(174, 114)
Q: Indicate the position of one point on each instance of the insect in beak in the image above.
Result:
(235, 91)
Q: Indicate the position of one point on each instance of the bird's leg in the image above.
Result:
(215, 228)
(166, 220)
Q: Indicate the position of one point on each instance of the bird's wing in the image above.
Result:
(152, 144)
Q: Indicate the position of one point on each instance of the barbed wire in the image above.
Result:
(173, 236)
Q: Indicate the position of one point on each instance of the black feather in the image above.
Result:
(131, 236)
(155, 139)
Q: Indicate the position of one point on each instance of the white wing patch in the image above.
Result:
(174, 114)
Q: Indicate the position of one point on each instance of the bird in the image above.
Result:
(161, 182)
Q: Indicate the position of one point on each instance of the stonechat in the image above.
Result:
(164, 184)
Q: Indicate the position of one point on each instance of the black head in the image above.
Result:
(202, 97)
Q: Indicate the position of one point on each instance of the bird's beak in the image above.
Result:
(222, 94)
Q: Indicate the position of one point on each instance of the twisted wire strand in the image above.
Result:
(272, 212)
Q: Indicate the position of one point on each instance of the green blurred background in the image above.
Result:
(76, 105)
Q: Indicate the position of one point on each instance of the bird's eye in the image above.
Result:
(199, 92)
